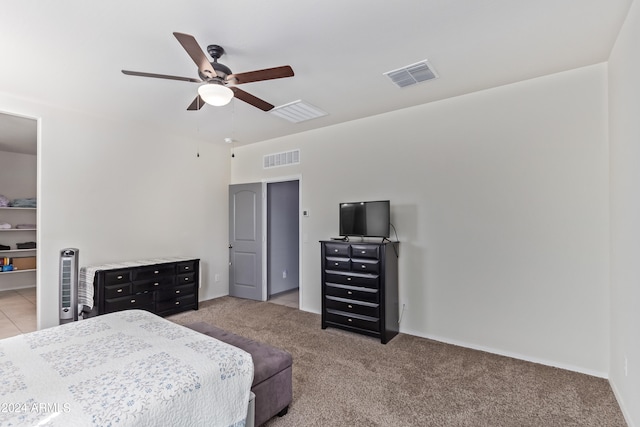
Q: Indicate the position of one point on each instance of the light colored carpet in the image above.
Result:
(345, 379)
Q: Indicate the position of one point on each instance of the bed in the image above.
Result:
(128, 368)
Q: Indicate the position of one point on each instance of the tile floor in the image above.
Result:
(17, 312)
(289, 298)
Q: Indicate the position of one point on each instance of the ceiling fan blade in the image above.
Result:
(196, 104)
(160, 76)
(192, 47)
(250, 99)
(259, 75)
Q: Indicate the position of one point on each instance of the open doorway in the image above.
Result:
(18, 213)
(283, 242)
(264, 241)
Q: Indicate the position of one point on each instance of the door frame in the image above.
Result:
(265, 181)
(39, 257)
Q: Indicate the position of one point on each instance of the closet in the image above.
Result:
(18, 183)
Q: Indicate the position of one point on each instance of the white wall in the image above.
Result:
(119, 192)
(624, 107)
(17, 175)
(500, 201)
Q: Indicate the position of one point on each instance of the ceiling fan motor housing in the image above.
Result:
(222, 71)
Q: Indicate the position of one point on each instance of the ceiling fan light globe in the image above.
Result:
(215, 94)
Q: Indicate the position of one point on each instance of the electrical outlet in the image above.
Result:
(216, 278)
(284, 274)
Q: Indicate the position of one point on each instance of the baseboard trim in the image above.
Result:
(623, 408)
(526, 358)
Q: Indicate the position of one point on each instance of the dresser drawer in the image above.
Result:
(113, 277)
(352, 292)
(365, 266)
(186, 267)
(365, 251)
(180, 302)
(183, 279)
(353, 320)
(153, 272)
(336, 249)
(333, 263)
(141, 301)
(352, 306)
(175, 292)
(151, 285)
(115, 291)
(367, 281)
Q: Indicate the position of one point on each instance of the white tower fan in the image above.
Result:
(68, 285)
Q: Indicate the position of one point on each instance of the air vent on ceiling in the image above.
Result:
(297, 111)
(281, 159)
(412, 74)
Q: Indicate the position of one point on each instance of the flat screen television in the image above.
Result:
(367, 219)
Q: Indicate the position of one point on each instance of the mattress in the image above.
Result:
(129, 368)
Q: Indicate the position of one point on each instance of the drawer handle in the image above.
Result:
(119, 277)
(363, 252)
(156, 284)
(364, 266)
(350, 306)
(349, 293)
(177, 302)
(186, 278)
(177, 292)
(186, 268)
(156, 272)
(132, 301)
(119, 290)
(350, 320)
(335, 263)
(349, 278)
(335, 250)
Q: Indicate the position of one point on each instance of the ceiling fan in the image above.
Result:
(219, 82)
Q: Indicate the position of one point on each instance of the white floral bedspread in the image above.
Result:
(129, 368)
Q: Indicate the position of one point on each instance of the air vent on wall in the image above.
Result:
(412, 74)
(281, 159)
(297, 111)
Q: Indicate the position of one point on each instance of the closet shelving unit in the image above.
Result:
(10, 236)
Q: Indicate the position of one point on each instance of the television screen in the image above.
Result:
(365, 219)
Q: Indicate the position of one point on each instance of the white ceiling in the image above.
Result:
(69, 53)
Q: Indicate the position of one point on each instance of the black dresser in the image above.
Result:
(163, 288)
(360, 287)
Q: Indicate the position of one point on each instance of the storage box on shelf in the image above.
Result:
(24, 263)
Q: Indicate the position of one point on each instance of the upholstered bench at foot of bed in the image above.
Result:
(272, 372)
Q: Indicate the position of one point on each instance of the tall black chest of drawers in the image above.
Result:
(360, 287)
(164, 288)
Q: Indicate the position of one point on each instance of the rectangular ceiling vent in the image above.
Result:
(282, 159)
(412, 74)
(297, 111)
